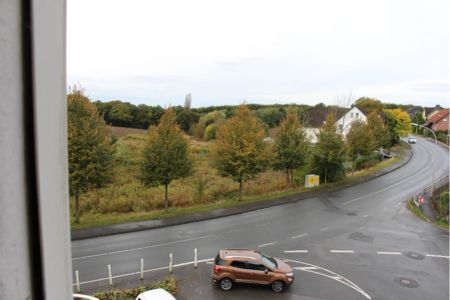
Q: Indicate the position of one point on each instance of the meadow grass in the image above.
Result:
(126, 199)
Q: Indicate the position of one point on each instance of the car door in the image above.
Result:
(259, 274)
(241, 271)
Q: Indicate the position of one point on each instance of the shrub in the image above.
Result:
(169, 284)
(366, 161)
(210, 132)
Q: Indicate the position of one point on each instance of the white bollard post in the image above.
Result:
(195, 257)
(110, 275)
(170, 262)
(142, 269)
(77, 278)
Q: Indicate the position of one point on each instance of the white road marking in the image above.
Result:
(267, 244)
(305, 268)
(299, 236)
(342, 251)
(262, 225)
(440, 256)
(209, 262)
(391, 186)
(146, 271)
(146, 247)
(296, 251)
(329, 274)
(323, 229)
(389, 253)
(365, 216)
(402, 210)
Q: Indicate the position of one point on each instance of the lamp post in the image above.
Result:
(435, 138)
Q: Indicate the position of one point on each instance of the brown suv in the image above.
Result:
(250, 266)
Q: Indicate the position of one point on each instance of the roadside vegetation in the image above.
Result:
(168, 283)
(222, 158)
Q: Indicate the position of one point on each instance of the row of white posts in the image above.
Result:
(110, 277)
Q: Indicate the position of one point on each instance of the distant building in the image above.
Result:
(430, 111)
(345, 122)
(438, 120)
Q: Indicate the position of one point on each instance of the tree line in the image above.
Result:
(241, 148)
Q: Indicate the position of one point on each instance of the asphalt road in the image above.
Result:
(358, 243)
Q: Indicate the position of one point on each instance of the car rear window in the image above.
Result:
(218, 261)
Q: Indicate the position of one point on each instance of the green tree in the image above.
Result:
(379, 132)
(239, 150)
(291, 147)
(329, 153)
(186, 118)
(166, 155)
(369, 104)
(418, 119)
(120, 113)
(90, 149)
(360, 141)
(271, 116)
(398, 123)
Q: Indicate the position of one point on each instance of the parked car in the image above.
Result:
(156, 294)
(412, 140)
(250, 266)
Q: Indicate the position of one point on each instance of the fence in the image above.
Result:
(140, 273)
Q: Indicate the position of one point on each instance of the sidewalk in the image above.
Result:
(80, 234)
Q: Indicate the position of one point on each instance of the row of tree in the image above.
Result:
(241, 150)
(125, 114)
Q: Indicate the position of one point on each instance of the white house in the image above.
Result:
(311, 134)
(345, 122)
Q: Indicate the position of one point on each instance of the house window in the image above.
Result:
(351, 115)
(357, 115)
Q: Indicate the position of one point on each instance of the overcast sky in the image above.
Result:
(227, 52)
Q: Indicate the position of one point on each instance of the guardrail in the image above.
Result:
(429, 189)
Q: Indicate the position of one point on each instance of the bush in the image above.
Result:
(169, 284)
(443, 204)
(367, 161)
(210, 132)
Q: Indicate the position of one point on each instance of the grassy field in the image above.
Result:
(125, 199)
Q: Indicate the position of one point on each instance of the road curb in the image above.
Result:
(87, 233)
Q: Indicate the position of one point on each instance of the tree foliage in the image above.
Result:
(360, 140)
(398, 123)
(369, 104)
(90, 149)
(378, 130)
(329, 153)
(239, 150)
(166, 155)
(291, 146)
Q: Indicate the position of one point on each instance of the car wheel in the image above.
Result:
(278, 286)
(226, 284)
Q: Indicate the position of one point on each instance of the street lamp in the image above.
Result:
(435, 138)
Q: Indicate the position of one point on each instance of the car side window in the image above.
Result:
(257, 267)
(239, 264)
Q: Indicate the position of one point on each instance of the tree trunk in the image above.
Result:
(240, 189)
(287, 178)
(292, 177)
(325, 175)
(166, 198)
(77, 208)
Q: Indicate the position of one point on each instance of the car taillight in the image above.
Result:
(217, 269)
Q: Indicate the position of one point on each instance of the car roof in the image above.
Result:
(156, 294)
(240, 254)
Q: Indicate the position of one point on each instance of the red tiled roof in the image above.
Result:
(439, 115)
